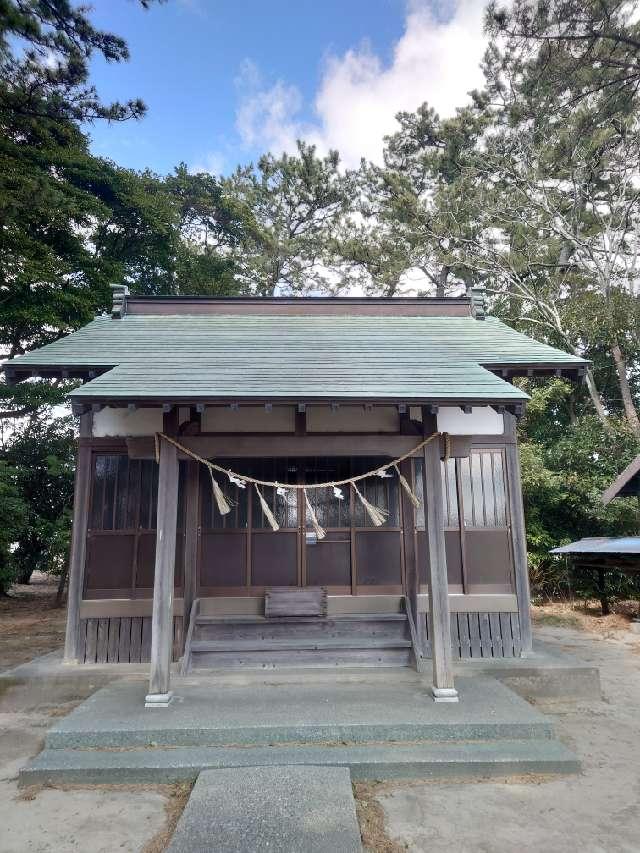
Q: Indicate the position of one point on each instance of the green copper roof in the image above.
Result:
(207, 357)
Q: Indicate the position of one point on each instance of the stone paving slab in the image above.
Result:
(283, 809)
(473, 759)
(205, 713)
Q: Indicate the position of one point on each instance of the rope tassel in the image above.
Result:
(378, 516)
(415, 500)
(266, 510)
(221, 501)
(320, 532)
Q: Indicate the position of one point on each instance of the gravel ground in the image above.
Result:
(597, 811)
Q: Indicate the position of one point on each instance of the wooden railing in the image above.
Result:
(185, 662)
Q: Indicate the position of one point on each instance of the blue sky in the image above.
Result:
(225, 80)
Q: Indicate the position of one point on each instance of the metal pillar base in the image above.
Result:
(445, 694)
(158, 700)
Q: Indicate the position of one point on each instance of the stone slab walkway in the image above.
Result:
(283, 809)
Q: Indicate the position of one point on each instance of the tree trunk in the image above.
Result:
(627, 399)
(442, 281)
(595, 398)
(602, 592)
(61, 585)
(24, 576)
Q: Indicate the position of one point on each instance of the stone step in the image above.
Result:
(417, 760)
(284, 809)
(257, 712)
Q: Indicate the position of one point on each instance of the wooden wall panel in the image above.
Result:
(120, 639)
(484, 635)
(223, 560)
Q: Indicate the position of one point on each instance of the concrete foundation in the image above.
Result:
(259, 712)
(377, 729)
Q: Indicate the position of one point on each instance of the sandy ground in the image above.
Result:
(56, 820)
(597, 811)
(30, 625)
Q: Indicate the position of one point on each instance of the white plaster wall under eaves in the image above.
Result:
(112, 422)
(481, 420)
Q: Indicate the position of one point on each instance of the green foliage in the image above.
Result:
(566, 466)
(12, 521)
(41, 457)
(45, 50)
(572, 51)
(291, 206)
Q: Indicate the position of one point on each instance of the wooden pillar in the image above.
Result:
(191, 528)
(77, 555)
(518, 534)
(159, 694)
(439, 617)
(412, 574)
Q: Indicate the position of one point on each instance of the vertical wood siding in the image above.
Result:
(485, 635)
(120, 639)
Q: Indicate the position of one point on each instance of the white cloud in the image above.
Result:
(266, 117)
(213, 162)
(435, 60)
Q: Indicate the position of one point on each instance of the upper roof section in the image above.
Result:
(194, 350)
(307, 306)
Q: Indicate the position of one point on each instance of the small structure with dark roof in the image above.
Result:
(604, 553)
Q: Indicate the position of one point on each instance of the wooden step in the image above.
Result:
(394, 626)
(359, 639)
(259, 645)
(301, 657)
(279, 620)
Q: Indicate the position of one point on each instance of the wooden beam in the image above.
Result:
(77, 556)
(439, 617)
(518, 535)
(133, 608)
(159, 694)
(317, 444)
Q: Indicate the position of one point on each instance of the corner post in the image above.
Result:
(77, 555)
(439, 617)
(159, 695)
(518, 534)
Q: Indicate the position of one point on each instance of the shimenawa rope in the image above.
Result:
(377, 515)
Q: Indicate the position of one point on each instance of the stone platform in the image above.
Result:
(379, 728)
